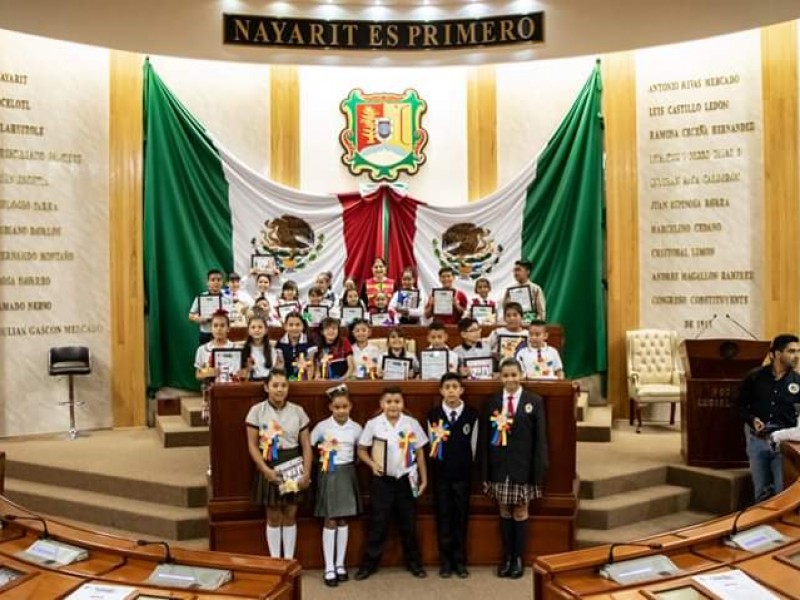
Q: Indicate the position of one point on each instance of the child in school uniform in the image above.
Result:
(447, 281)
(205, 370)
(259, 356)
(277, 432)
(395, 485)
(409, 310)
(324, 281)
(213, 288)
(396, 348)
(471, 346)
(336, 439)
(515, 461)
(512, 315)
(351, 299)
(437, 340)
(381, 307)
(298, 352)
(366, 356)
(453, 435)
(538, 360)
(522, 277)
(334, 356)
(483, 288)
(289, 296)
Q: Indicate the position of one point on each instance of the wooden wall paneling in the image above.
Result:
(128, 393)
(481, 132)
(284, 139)
(622, 216)
(781, 195)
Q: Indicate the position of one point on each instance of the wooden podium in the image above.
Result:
(712, 433)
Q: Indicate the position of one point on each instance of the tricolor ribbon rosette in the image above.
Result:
(270, 437)
(439, 432)
(501, 423)
(369, 366)
(327, 454)
(325, 369)
(408, 445)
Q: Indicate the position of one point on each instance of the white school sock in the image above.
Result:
(328, 548)
(274, 541)
(341, 547)
(289, 539)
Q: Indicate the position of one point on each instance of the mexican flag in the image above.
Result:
(203, 208)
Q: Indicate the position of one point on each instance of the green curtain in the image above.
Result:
(187, 229)
(563, 232)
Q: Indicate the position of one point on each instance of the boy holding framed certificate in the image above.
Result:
(474, 356)
(446, 304)
(538, 360)
(437, 359)
(526, 293)
(206, 304)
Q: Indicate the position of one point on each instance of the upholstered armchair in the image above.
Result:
(654, 371)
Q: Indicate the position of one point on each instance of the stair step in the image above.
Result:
(624, 482)
(596, 425)
(192, 411)
(147, 518)
(581, 406)
(175, 432)
(174, 494)
(637, 531)
(633, 506)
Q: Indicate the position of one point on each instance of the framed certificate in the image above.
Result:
(480, 368)
(285, 309)
(523, 296)
(379, 319)
(507, 345)
(484, 315)
(379, 453)
(208, 304)
(396, 369)
(290, 473)
(228, 305)
(263, 263)
(433, 363)
(351, 313)
(228, 361)
(408, 298)
(443, 301)
(316, 314)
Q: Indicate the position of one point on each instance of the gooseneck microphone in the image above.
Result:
(167, 554)
(707, 326)
(45, 532)
(740, 326)
(632, 544)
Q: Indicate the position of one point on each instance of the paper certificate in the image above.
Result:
(523, 296)
(228, 305)
(316, 314)
(379, 453)
(480, 368)
(285, 309)
(484, 315)
(408, 298)
(290, 473)
(507, 345)
(443, 300)
(229, 363)
(351, 313)
(208, 304)
(263, 263)
(433, 363)
(379, 319)
(396, 369)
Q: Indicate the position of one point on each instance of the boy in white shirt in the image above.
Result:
(538, 360)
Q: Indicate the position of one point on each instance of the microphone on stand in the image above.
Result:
(740, 326)
(707, 327)
(618, 544)
(45, 533)
(167, 554)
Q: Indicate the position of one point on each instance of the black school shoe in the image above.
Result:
(417, 570)
(330, 581)
(504, 570)
(517, 568)
(445, 570)
(461, 570)
(342, 575)
(364, 572)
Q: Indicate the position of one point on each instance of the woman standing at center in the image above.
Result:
(378, 283)
(277, 433)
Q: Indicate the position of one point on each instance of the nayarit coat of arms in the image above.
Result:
(383, 135)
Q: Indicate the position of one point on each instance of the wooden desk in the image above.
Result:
(696, 549)
(555, 334)
(238, 526)
(117, 560)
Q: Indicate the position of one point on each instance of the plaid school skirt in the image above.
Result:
(267, 493)
(337, 493)
(511, 493)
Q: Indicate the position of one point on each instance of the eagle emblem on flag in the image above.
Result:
(383, 135)
(290, 240)
(468, 249)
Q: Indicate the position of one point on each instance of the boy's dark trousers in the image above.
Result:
(452, 515)
(391, 500)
